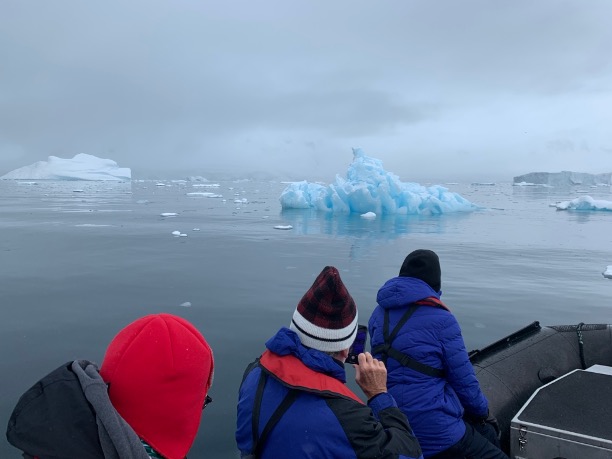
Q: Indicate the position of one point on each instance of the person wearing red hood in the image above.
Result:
(146, 400)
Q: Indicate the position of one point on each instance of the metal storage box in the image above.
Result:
(570, 417)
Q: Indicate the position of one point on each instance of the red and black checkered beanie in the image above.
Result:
(326, 316)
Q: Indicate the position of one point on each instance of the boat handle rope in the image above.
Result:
(581, 344)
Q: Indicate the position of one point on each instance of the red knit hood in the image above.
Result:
(159, 369)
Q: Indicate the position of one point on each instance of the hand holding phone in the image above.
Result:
(358, 345)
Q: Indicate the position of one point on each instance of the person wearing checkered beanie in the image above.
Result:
(293, 401)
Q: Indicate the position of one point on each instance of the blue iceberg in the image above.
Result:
(369, 188)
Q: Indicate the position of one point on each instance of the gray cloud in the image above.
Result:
(489, 88)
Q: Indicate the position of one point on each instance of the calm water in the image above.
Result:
(81, 259)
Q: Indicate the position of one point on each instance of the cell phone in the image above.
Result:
(358, 345)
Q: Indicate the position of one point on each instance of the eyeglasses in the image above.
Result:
(207, 401)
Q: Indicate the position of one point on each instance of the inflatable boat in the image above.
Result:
(550, 388)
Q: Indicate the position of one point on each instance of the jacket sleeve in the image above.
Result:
(459, 370)
(378, 431)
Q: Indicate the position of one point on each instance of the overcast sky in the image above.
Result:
(435, 89)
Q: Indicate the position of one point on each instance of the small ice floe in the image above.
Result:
(142, 201)
(186, 304)
(205, 195)
(160, 184)
(27, 183)
(178, 234)
(168, 214)
(78, 191)
(283, 227)
(206, 185)
(368, 215)
(196, 229)
(608, 272)
(241, 201)
(585, 203)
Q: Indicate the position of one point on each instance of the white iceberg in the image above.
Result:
(81, 167)
(608, 272)
(564, 179)
(585, 203)
(369, 188)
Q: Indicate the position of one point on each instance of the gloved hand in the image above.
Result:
(475, 419)
(492, 420)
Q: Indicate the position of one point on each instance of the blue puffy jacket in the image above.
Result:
(319, 423)
(434, 406)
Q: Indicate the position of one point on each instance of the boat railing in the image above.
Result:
(506, 342)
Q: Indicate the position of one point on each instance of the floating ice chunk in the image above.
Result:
(186, 304)
(182, 235)
(283, 227)
(197, 178)
(160, 184)
(543, 185)
(367, 187)
(368, 215)
(241, 201)
(78, 191)
(27, 183)
(608, 272)
(206, 185)
(205, 195)
(176, 233)
(142, 201)
(585, 203)
(196, 229)
(168, 214)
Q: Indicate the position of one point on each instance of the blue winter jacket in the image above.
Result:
(434, 406)
(320, 424)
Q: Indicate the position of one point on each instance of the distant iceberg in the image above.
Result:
(585, 203)
(81, 167)
(369, 188)
(563, 179)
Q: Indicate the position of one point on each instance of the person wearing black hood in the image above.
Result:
(428, 369)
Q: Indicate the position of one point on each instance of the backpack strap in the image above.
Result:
(260, 441)
(405, 360)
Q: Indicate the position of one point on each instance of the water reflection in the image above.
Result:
(560, 193)
(65, 195)
(383, 227)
